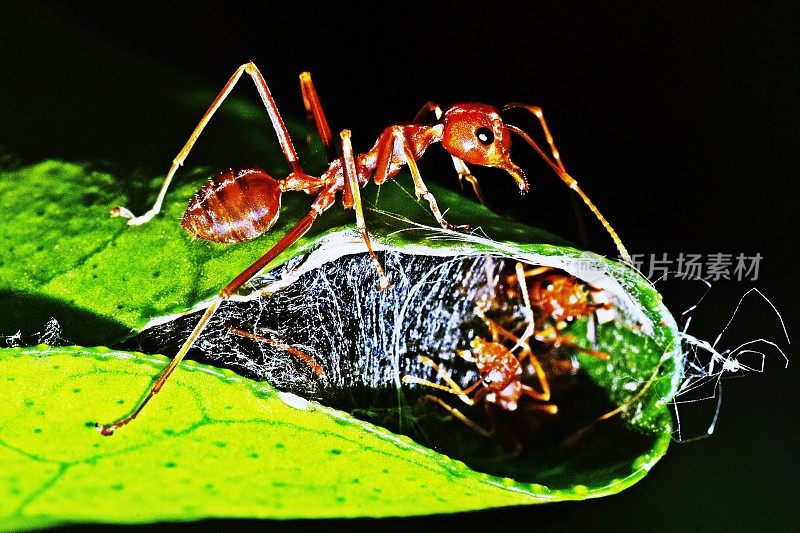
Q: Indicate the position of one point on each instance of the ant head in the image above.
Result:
(476, 134)
(482, 351)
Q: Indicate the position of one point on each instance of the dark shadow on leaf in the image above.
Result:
(29, 316)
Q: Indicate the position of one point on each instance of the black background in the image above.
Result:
(680, 122)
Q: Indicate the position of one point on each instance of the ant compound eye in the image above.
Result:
(485, 136)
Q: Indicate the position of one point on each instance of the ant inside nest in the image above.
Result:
(479, 356)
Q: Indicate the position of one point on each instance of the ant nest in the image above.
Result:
(473, 344)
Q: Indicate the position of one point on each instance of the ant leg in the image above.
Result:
(635, 397)
(526, 299)
(316, 114)
(464, 173)
(291, 350)
(597, 354)
(541, 377)
(452, 386)
(419, 186)
(274, 115)
(323, 201)
(351, 175)
(419, 381)
(548, 408)
(498, 331)
(551, 336)
(458, 414)
(578, 435)
(537, 271)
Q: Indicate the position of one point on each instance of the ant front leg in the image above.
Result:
(274, 115)
(452, 387)
(552, 337)
(351, 177)
(395, 145)
(458, 415)
(572, 440)
(298, 354)
(463, 171)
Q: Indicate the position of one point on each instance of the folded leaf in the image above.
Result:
(213, 444)
(218, 445)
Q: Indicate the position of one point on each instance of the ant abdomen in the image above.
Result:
(234, 206)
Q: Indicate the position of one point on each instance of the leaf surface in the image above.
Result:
(217, 445)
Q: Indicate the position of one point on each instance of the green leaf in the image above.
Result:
(217, 445)
(208, 445)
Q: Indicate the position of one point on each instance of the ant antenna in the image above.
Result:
(572, 183)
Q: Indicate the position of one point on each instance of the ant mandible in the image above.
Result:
(240, 205)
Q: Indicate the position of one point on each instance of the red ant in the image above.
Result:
(240, 205)
(500, 380)
(500, 370)
(556, 298)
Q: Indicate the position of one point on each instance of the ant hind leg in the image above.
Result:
(274, 115)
